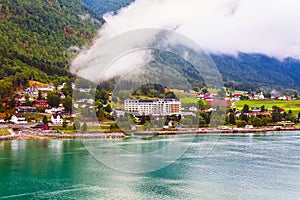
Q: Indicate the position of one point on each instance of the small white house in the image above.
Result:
(56, 119)
(193, 109)
(18, 119)
(54, 110)
(255, 109)
(282, 98)
(62, 96)
(261, 96)
(249, 127)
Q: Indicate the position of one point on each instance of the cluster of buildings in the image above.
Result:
(37, 106)
(55, 115)
(20, 119)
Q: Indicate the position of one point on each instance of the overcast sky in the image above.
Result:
(271, 27)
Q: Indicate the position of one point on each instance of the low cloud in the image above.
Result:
(219, 26)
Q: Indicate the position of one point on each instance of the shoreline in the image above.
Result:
(34, 135)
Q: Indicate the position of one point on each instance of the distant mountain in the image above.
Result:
(259, 70)
(104, 6)
(245, 71)
(39, 37)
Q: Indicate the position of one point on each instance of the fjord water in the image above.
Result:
(251, 166)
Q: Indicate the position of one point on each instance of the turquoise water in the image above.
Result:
(260, 166)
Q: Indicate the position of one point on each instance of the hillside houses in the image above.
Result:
(18, 119)
(26, 109)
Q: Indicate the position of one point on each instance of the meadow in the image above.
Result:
(287, 105)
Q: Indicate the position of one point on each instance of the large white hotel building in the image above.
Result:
(153, 107)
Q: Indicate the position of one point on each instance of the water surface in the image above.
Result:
(259, 166)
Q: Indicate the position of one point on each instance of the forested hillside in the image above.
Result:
(39, 37)
(103, 6)
(259, 70)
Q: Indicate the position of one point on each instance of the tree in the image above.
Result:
(204, 90)
(290, 116)
(6, 89)
(201, 105)
(76, 125)
(255, 121)
(68, 104)
(231, 118)
(245, 109)
(276, 114)
(45, 120)
(7, 116)
(262, 108)
(67, 89)
(39, 95)
(241, 123)
(108, 108)
(143, 119)
(53, 99)
(65, 124)
(27, 103)
(84, 127)
(12, 102)
(196, 89)
(100, 114)
(244, 117)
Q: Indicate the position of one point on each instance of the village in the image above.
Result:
(48, 109)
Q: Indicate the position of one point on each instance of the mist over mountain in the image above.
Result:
(250, 50)
(39, 39)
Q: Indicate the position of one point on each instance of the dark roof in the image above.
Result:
(146, 100)
(38, 126)
(55, 115)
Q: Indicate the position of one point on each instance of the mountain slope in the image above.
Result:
(260, 70)
(36, 35)
(104, 6)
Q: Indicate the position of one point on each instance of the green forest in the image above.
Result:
(38, 38)
(105, 6)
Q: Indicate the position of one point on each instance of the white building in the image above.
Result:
(261, 96)
(56, 119)
(193, 109)
(46, 89)
(153, 107)
(54, 110)
(18, 119)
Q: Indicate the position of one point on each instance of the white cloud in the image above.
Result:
(226, 26)
(219, 26)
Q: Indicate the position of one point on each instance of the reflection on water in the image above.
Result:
(252, 166)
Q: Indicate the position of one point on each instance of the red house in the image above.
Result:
(237, 95)
(43, 104)
(207, 96)
(218, 102)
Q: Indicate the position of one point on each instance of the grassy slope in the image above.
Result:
(293, 105)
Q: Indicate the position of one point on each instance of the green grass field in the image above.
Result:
(293, 105)
(4, 131)
(189, 100)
